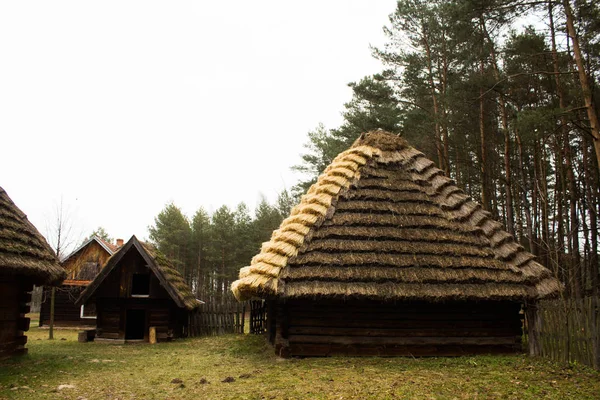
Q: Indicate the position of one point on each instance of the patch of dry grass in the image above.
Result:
(244, 367)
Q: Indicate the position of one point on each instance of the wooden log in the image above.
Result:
(324, 350)
(152, 335)
(82, 336)
(409, 332)
(23, 324)
(405, 341)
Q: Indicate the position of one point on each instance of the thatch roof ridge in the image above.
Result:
(168, 276)
(23, 250)
(379, 214)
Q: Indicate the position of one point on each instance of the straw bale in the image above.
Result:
(333, 179)
(317, 198)
(313, 208)
(443, 192)
(302, 219)
(430, 174)
(343, 172)
(408, 208)
(547, 287)
(439, 183)
(366, 273)
(279, 247)
(404, 157)
(397, 233)
(389, 291)
(490, 227)
(244, 271)
(293, 227)
(381, 140)
(465, 212)
(252, 286)
(383, 184)
(522, 258)
(532, 269)
(291, 237)
(501, 237)
(455, 201)
(265, 269)
(269, 258)
(507, 251)
(329, 189)
(356, 158)
(345, 163)
(412, 247)
(412, 221)
(386, 195)
(420, 165)
(478, 217)
(397, 260)
(372, 171)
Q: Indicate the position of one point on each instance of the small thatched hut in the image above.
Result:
(138, 289)
(25, 259)
(82, 266)
(386, 256)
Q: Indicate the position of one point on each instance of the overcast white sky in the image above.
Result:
(120, 107)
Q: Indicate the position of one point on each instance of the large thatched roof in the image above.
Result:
(168, 276)
(23, 250)
(383, 222)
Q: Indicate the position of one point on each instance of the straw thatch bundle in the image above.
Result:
(23, 250)
(382, 222)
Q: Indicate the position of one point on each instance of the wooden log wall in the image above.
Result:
(14, 305)
(162, 314)
(323, 328)
(566, 330)
(66, 313)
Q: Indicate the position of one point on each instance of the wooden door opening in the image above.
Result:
(135, 328)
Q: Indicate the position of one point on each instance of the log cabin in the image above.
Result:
(82, 266)
(26, 259)
(138, 289)
(385, 255)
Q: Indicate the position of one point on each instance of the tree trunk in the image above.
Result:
(436, 112)
(583, 80)
(51, 327)
(504, 119)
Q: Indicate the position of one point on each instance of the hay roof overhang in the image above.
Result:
(23, 250)
(383, 222)
(168, 276)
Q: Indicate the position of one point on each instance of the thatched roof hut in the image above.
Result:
(139, 288)
(23, 250)
(383, 225)
(82, 266)
(25, 259)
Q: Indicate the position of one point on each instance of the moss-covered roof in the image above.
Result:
(23, 250)
(383, 222)
(160, 265)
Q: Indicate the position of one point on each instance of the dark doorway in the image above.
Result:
(136, 324)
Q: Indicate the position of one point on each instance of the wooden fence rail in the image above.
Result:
(218, 317)
(567, 330)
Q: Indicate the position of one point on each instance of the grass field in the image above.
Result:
(244, 367)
